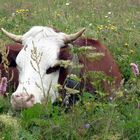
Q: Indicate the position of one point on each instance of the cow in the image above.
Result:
(37, 59)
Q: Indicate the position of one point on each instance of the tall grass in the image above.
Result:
(117, 25)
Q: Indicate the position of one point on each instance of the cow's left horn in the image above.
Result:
(72, 37)
(16, 38)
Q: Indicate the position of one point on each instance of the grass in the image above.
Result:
(114, 23)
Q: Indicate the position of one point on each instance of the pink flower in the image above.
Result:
(3, 85)
(138, 106)
(135, 69)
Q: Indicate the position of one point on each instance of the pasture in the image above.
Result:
(104, 116)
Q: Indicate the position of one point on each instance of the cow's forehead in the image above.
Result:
(43, 31)
(45, 41)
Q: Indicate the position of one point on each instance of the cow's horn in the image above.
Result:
(72, 37)
(16, 38)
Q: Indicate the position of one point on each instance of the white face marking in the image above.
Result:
(40, 52)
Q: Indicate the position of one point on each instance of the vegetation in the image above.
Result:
(116, 23)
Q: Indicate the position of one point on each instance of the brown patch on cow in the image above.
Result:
(106, 64)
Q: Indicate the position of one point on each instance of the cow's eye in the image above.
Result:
(53, 69)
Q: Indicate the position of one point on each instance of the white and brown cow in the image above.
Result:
(36, 62)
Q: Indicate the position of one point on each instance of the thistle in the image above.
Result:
(135, 69)
(3, 85)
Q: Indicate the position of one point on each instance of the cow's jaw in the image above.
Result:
(34, 84)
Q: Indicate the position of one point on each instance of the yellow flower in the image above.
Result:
(120, 94)
(58, 14)
(126, 45)
(20, 11)
(100, 27)
(106, 27)
(132, 51)
(113, 28)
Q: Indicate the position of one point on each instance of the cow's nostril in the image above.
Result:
(17, 95)
(29, 97)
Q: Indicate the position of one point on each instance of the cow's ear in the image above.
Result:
(15, 47)
(0, 58)
(13, 50)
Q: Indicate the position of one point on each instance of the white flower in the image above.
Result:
(67, 4)
(90, 24)
(13, 14)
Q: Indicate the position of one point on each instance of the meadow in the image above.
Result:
(116, 23)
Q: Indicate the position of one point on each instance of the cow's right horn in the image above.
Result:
(73, 37)
(16, 38)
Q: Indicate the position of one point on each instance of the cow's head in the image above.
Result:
(41, 46)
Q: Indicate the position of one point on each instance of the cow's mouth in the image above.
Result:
(22, 101)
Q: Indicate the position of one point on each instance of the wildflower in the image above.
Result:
(21, 11)
(108, 20)
(74, 77)
(65, 63)
(94, 56)
(10, 122)
(135, 69)
(131, 51)
(90, 24)
(120, 94)
(58, 15)
(87, 48)
(112, 27)
(138, 106)
(87, 126)
(13, 14)
(100, 27)
(106, 27)
(111, 98)
(109, 13)
(67, 4)
(3, 85)
(126, 45)
(71, 90)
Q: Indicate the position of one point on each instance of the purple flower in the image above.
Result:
(3, 85)
(135, 69)
(138, 106)
(87, 126)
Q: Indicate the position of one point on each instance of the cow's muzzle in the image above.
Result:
(21, 101)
